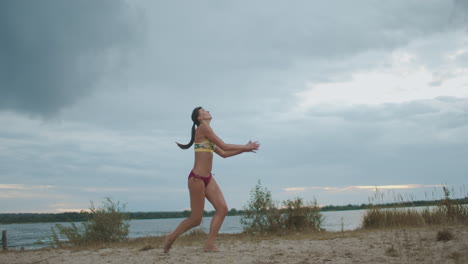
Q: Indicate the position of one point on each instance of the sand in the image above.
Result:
(409, 245)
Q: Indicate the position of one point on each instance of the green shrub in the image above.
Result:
(105, 224)
(261, 215)
(298, 215)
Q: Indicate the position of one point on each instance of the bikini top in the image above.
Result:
(204, 146)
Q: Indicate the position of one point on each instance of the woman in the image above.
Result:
(201, 183)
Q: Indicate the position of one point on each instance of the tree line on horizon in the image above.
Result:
(9, 218)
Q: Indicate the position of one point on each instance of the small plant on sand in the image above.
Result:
(444, 235)
(106, 224)
(146, 247)
(391, 252)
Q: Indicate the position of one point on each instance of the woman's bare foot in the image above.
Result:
(168, 243)
(211, 248)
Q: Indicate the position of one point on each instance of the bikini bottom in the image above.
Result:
(206, 180)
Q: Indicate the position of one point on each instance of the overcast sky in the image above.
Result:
(344, 96)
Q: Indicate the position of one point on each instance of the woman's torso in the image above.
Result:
(203, 159)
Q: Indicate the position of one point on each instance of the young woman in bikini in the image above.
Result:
(201, 183)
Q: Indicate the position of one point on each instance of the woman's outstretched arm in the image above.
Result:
(226, 154)
(210, 134)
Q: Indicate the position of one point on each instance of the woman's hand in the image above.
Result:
(252, 146)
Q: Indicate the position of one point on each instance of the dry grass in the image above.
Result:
(448, 211)
(147, 247)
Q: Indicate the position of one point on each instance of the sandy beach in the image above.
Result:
(408, 245)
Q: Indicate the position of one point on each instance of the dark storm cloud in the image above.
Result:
(460, 12)
(231, 36)
(267, 49)
(52, 52)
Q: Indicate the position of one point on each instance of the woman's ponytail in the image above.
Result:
(195, 123)
(191, 140)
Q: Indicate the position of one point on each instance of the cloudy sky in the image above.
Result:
(344, 96)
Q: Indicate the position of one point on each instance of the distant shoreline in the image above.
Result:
(20, 218)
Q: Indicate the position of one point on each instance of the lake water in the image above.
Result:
(36, 235)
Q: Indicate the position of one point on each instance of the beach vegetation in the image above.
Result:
(444, 235)
(391, 251)
(298, 215)
(146, 247)
(263, 215)
(447, 211)
(103, 225)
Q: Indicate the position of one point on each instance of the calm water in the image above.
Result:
(37, 235)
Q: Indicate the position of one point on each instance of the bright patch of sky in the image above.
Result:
(402, 81)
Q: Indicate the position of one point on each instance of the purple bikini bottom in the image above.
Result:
(206, 180)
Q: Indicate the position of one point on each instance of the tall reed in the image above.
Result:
(447, 211)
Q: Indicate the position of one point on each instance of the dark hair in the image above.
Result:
(195, 122)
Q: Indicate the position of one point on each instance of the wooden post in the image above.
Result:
(4, 240)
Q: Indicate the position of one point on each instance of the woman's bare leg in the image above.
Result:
(197, 204)
(216, 198)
